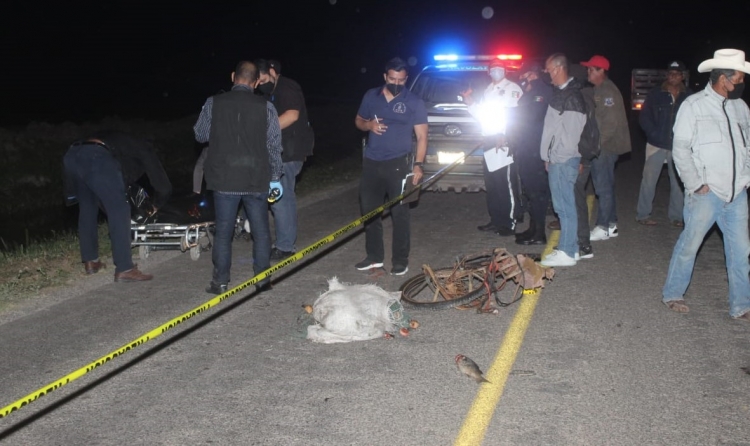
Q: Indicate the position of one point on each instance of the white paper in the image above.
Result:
(497, 158)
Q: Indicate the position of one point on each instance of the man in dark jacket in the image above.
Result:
(297, 142)
(98, 171)
(657, 119)
(615, 141)
(525, 131)
(243, 165)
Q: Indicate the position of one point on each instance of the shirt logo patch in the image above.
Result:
(538, 98)
(399, 107)
(515, 94)
(609, 102)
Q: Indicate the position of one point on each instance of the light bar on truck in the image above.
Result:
(456, 57)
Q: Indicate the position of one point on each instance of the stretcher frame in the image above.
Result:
(193, 237)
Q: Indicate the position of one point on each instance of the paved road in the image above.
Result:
(602, 361)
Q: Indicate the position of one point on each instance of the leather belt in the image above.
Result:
(91, 141)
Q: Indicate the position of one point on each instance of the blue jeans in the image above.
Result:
(562, 180)
(285, 209)
(256, 208)
(700, 214)
(99, 180)
(603, 176)
(655, 158)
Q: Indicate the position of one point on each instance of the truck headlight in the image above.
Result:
(450, 157)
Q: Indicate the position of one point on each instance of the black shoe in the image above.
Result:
(536, 239)
(504, 232)
(586, 252)
(525, 235)
(277, 254)
(399, 270)
(263, 288)
(488, 227)
(367, 264)
(216, 288)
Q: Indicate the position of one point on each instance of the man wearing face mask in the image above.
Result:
(297, 140)
(391, 114)
(525, 134)
(492, 112)
(710, 151)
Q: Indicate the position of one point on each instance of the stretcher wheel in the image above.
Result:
(195, 252)
(143, 252)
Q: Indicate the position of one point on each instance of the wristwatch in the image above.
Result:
(418, 164)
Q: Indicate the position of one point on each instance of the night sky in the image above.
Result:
(161, 59)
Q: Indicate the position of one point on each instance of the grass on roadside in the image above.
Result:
(56, 261)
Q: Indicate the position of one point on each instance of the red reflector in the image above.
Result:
(509, 56)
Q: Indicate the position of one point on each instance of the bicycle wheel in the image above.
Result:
(444, 288)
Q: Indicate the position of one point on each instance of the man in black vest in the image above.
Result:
(243, 132)
(297, 141)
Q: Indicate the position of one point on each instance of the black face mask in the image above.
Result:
(394, 89)
(546, 78)
(266, 88)
(737, 92)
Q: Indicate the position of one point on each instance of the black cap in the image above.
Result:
(275, 64)
(676, 65)
(535, 67)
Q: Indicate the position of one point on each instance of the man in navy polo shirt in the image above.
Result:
(390, 113)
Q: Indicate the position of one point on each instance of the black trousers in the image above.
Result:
(582, 208)
(502, 195)
(535, 187)
(381, 182)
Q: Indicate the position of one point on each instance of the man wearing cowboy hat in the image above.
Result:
(710, 151)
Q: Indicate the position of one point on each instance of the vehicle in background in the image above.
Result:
(643, 80)
(453, 133)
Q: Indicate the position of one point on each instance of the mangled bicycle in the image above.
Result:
(475, 281)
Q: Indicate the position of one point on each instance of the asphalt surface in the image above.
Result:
(603, 362)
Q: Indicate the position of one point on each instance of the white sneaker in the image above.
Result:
(558, 258)
(612, 231)
(599, 233)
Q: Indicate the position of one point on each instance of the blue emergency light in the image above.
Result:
(456, 57)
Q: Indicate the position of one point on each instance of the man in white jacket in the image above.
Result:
(710, 152)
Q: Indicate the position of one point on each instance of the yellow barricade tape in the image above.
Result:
(158, 331)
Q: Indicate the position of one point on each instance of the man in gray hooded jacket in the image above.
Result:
(710, 152)
(563, 125)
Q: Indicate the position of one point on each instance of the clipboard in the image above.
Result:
(497, 158)
(407, 187)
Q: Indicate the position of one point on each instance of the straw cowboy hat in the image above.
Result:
(728, 59)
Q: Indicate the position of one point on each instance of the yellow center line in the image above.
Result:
(483, 408)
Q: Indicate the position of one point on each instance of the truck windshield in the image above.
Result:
(446, 87)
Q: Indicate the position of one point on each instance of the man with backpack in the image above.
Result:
(615, 141)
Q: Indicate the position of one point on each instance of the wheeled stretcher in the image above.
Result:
(184, 223)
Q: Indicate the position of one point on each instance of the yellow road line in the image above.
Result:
(479, 416)
(483, 408)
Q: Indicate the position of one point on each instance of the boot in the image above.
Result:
(527, 234)
(538, 237)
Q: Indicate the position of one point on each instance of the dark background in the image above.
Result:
(71, 61)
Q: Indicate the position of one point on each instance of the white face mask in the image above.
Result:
(497, 74)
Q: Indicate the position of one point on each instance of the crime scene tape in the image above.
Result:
(160, 330)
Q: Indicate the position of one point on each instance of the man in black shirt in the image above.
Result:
(98, 170)
(297, 142)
